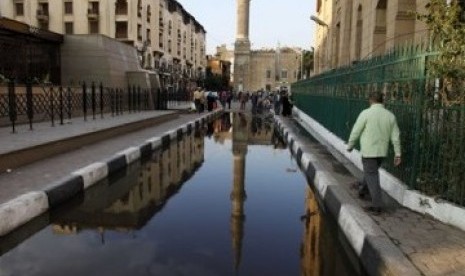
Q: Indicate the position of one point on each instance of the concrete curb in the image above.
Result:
(377, 253)
(24, 208)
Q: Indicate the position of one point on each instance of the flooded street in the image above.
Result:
(226, 199)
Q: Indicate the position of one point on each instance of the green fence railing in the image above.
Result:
(432, 135)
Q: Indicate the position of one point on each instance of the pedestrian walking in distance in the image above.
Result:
(375, 127)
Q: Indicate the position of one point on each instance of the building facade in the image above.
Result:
(352, 30)
(168, 39)
(266, 69)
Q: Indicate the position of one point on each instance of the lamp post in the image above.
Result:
(325, 56)
(318, 21)
(302, 53)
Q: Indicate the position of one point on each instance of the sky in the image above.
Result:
(286, 22)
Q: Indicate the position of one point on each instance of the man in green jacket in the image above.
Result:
(375, 127)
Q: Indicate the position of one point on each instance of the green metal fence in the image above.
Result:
(432, 135)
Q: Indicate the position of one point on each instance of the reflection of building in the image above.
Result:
(318, 252)
(220, 68)
(310, 248)
(257, 129)
(260, 69)
(351, 30)
(132, 200)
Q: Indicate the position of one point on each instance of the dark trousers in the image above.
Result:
(371, 179)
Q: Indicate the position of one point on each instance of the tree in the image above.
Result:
(308, 62)
(447, 29)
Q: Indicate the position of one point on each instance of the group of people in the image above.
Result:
(279, 101)
(202, 98)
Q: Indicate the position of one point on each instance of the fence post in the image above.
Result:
(112, 107)
(52, 106)
(84, 100)
(117, 101)
(69, 102)
(120, 99)
(93, 100)
(12, 112)
(138, 98)
(61, 105)
(134, 98)
(101, 100)
(129, 98)
(29, 104)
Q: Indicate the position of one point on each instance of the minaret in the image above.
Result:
(242, 47)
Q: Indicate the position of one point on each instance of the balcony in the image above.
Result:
(42, 15)
(92, 15)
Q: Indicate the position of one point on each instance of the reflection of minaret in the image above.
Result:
(238, 195)
(242, 47)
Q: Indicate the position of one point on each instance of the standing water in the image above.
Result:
(227, 199)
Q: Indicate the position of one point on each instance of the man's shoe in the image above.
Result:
(357, 185)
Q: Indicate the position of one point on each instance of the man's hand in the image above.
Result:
(397, 161)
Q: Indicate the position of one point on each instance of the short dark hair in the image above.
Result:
(376, 96)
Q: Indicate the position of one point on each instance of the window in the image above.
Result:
(284, 74)
(121, 30)
(139, 8)
(68, 7)
(139, 32)
(160, 39)
(149, 13)
(19, 8)
(169, 46)
(121, 7)
(268, 74)
(94, 8)
(69, 28)
(149, 37)
(93, 27)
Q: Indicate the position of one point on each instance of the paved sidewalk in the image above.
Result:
(44, 133)
(41, 174)
(434, 248)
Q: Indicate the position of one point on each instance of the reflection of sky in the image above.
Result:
(192, 234)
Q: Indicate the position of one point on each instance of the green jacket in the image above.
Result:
(375, 126)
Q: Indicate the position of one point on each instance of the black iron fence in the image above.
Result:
(432, 133)
(28, 104)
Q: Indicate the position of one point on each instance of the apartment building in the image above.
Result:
(168, 38)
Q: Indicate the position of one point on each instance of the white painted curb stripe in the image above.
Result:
(22, 209)
(156, 142)
(93, 173)
(132, 154)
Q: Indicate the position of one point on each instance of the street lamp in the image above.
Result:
(323, 24)
(318, 21)
(302, 53)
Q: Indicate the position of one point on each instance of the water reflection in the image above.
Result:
(320, 254)
(111, 229)
(127, 203)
